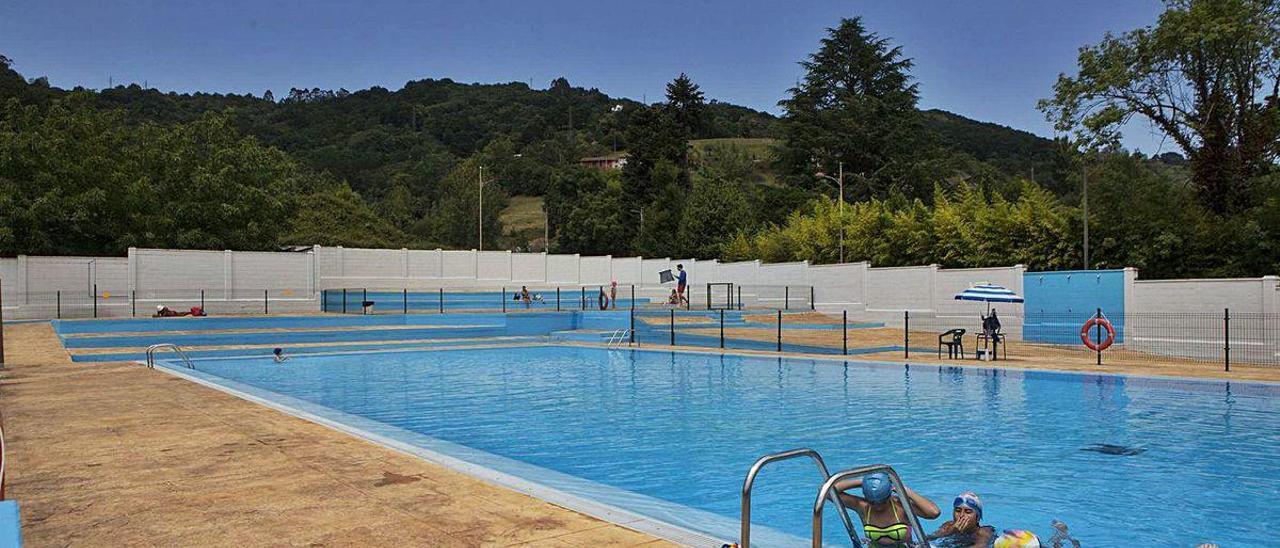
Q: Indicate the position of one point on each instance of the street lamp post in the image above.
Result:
(480, 215)
(840, 184)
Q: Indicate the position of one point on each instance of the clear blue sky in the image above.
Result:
(985, 59)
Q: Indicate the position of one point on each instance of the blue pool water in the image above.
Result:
(683, 428)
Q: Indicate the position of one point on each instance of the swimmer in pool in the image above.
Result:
(883, 517)
(278, 355)
(965, 529)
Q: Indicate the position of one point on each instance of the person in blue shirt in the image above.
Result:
(682, 283)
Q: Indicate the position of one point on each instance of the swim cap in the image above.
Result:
(159, 307)
(1015, 538)
(970, 500)
(876, 487)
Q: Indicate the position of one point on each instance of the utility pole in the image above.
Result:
(841, 212)
(1084, 177)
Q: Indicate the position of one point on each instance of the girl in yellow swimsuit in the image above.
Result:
(884, 520)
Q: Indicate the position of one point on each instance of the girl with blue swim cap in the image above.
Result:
(884, 520)
(965, 527)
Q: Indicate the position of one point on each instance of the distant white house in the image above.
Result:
(606, 162)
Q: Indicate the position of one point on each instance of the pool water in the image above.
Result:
(1119, 459)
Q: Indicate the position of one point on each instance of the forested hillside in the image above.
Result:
(96, 171)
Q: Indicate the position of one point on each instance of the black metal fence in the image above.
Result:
(1218, 340)
(515, 298)
(102, 302)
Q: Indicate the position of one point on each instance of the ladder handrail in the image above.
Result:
(744, 539)
(919, 535)
(618, 336)
(151, 351)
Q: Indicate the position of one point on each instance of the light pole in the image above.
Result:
(480, 216)
(840, 184)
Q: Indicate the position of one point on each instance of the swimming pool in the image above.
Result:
(670, 435)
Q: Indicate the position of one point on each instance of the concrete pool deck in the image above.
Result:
(109, 454)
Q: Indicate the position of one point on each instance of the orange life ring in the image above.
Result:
(1094, 322)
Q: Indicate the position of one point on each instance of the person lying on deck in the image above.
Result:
(166, 312)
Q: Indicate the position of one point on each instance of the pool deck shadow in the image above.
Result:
(111, 454)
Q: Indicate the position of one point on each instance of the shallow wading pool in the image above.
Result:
(670, 435)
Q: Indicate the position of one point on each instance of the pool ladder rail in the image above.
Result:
(827, 493)
(151, 354)
(618, 338)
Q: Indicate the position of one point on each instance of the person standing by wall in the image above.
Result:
(682, 285)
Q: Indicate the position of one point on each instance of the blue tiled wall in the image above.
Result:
(1058, 303)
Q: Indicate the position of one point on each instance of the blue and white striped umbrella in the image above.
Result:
(990, 293)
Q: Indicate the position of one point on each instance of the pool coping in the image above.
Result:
(603, 511)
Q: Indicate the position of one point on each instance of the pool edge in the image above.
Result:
(604, 512)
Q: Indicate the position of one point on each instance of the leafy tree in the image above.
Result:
(453, 220)
(596, 226)
(335, 215)
(80, 181)
(855, 105)
(717, 209)
(658, 221)
(1207, 75)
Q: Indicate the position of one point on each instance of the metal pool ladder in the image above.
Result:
(744, 540)
(618, 338)
(151, 354)
(918, 534)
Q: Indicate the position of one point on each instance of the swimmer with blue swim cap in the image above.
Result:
(965, 527)
(884, 520)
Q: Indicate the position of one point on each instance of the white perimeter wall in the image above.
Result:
(1241, 295)
(175, 277)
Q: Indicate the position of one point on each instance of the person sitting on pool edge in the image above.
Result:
(883, 519)
(965, 529)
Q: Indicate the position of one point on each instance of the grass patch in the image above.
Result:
(523, 223)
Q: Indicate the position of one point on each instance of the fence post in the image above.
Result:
(786, 297)
(364, 298)
(324, 300)
(812, 305)
(844, 330)
(739, 297)
(673, 327)
(406, 300)
(708, 296)
(201, 299)
(440, 301)
(906, 333)
(95, 300)
(557, 298)
(504, 299)
(779, 331)
(1226, 339)
(344, 300)
(583, 300)
(133, 302)
(59, 304)
(722, 328)
(1097, 334)
(266, 306)
(633, 325)
(633, 298)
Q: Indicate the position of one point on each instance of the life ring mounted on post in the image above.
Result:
(1093, 322)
